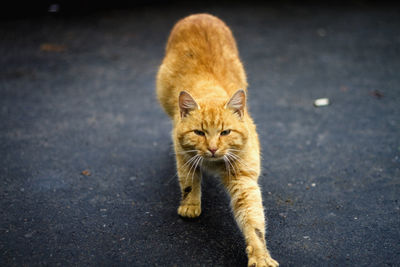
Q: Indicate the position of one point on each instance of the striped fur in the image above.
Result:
(202, 86)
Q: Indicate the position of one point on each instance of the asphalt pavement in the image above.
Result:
(87, 174)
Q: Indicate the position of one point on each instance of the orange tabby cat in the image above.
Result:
(201, 85)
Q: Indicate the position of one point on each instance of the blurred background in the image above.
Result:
(87, 172)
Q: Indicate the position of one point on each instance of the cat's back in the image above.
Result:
(201, 58)
(201, 32)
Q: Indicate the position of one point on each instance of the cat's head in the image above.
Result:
(212, 128)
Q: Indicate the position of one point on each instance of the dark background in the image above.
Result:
(77, 93)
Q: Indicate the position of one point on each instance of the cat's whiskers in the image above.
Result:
(240, 160)
(229, 162)
(193, 164)
(227, 167)
(235, 163)
(195, 168)
(184, 165)
(190, 161)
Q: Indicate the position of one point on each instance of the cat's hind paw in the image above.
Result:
(189, 210)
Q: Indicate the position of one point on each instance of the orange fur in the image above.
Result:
(198, 86)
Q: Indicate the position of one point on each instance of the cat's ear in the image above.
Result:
(186, 103)
(237, 102)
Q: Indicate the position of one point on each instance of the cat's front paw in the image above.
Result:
(260, 259)
(189, 210)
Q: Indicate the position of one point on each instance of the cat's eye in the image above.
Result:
(226, 132)
(199, 132)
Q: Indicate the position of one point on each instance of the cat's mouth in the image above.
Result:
(214, 158)
(205, 156)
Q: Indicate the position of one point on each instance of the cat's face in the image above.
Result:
(212, 129)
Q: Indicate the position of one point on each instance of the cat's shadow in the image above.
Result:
(214, 231)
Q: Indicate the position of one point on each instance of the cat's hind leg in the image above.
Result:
(190, 184)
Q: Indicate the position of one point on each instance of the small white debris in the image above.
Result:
(313, 184)
(54, 8)
(321, 102)
(29, 235)
(355, 218)
(321, 32)
(306, 237)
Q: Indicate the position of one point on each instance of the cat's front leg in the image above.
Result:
(247, 207)
(190, 184)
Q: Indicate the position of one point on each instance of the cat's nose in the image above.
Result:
(212, 150)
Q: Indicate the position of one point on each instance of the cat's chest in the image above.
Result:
(213, 167)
